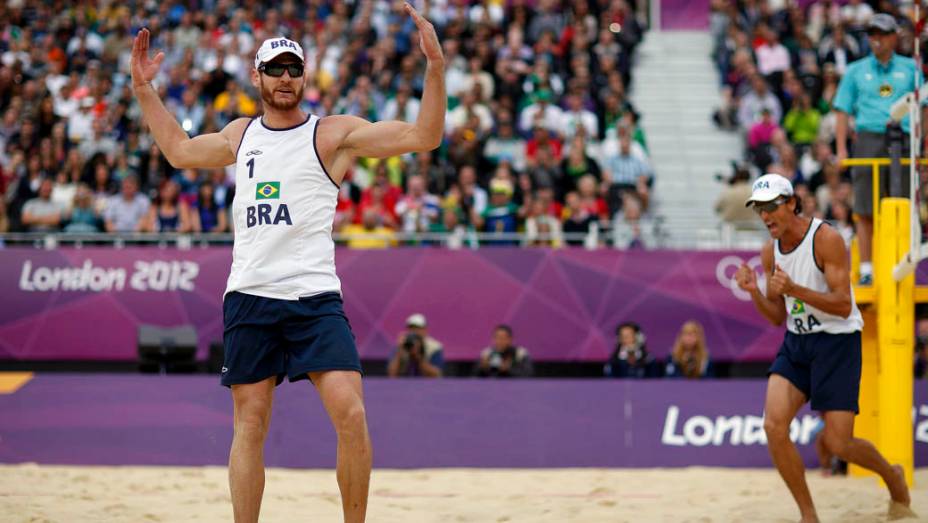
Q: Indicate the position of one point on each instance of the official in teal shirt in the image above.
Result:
(868, 89)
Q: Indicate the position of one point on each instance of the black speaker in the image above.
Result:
(167, 349)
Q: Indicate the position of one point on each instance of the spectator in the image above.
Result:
(41, 214)
(624, 172)
(689, 357)
(168, 213)
(839, 217)
(590, 199)
(505, 145)
(417, 353)
(83, 218)
(576, 117)
(502, 359)
(577, 219)
(802, 121)
(856, 14)
(404, 106)
(839, 49)
(208, 215)
(76, 100)
(577, 165)
(730, 203)
(473, 198)
(470, 106)
(631, 358)
(761, 133)
(418, 209)
(190, 113)
(370, 233)
(126, 211)
(101, 185)
(541, 112)
(234, 103)
(501, 215)
(870, 108)
(772, 56)
(758, 98)
(541, 228)
(631, 224)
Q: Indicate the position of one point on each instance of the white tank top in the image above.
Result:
(282, 213)
(800, 265)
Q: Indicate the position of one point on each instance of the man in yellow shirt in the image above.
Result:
(369, 234)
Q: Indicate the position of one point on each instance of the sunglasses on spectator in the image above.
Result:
(277, 70)
(768, 207)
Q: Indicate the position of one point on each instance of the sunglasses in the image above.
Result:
(277, 70)
(768, 207)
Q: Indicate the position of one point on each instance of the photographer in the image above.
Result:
(503, 359)
(631, 358)
(417, 353)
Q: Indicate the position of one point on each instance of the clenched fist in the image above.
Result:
(746, 278)
(780, 282)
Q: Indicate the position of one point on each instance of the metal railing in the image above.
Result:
(654, 235)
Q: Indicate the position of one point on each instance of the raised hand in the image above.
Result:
(143, 69)
(428, 40)
(746, 278)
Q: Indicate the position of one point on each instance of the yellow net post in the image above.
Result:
(888, 338)
(896, 334)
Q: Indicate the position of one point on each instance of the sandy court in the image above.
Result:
(31, 493)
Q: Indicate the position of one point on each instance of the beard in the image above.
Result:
(267, 96)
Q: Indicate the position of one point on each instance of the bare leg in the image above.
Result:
(839, 437)
(343, 399)
(824, 455)
(783, 402)
(252, 405)
(865, 236)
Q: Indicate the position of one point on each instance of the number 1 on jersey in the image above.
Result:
(251, 168)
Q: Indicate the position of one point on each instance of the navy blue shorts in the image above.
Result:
(825, 367)
(266, 337)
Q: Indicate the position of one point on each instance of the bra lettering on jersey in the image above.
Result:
(261, 215)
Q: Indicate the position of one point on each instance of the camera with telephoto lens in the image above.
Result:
(410, 341)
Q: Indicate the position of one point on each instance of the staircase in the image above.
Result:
(675, 87)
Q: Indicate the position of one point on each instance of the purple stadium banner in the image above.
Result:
(155, 420)
(689, 15)
(563, 305)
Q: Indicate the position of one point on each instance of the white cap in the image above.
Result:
(274, 47)
(768, 187)
(415, 320)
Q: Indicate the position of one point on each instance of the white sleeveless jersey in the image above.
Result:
(800, 265)
(282, 212)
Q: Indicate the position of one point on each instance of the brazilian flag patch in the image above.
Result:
(267, 191)
(798, 308)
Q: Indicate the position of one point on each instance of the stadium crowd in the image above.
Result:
(780, 67)
(540, 135)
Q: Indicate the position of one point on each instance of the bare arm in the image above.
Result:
(771, 306)
(185, 218)
(205, 151)
(393, 368)
(831, 253)
(429, 370)
(221, 222)
(841, 135)
(391, 138)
